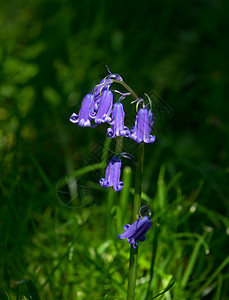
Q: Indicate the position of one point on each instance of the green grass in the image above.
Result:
(63, 253)
(58, 242)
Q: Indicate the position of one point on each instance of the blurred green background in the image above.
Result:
(51, 54)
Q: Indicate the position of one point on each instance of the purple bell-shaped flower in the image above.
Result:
(104, 85)
(143, 126)
(118, 128)
(136, 231)
(112, 175)
(105, 108)
(87, 108)
(99, 89)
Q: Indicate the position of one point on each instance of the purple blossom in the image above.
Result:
(118, 128)
(99, 89)
(112, 175)
(143, 126)
(105, 108)
(100, 100)
(87, 108)
(136, 231)
(104, 85)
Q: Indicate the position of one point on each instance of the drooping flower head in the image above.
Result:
(84, 117)
(104, 108)
(97, 105)
(112, 175)
(143, 125)
(99, 89)
(136, 232)
(104, 85)
(118, 115)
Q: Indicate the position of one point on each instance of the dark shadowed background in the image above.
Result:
(51, 54)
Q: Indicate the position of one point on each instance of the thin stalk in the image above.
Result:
(192, 261)
(126, 86)
(136, 207)
(119, 144)
(154, 251)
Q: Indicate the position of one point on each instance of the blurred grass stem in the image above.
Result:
(136, 207)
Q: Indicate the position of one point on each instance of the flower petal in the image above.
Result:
(74, 118)
(126, 226)
(110, 133)
(136, 231)
(119, 186)
(143, 126)
(105, 108)
(118, 128)
(112, 175)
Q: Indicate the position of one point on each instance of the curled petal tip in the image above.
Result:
(151, 139)
(135, 245)
(101, 180)
(110, 133)
(119, 186)
(131, 241)
(126, 226)
(137, 139)
(84, 123)
(104, 183)
(74, 118)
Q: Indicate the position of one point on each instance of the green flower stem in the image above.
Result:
(138, 182)
(132, 273)
(119, 144)
(129, 89)
(136, 207)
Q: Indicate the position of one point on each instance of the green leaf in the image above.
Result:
(4, 295)
(169, 286)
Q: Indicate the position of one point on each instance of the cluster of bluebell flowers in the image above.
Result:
(98, 107)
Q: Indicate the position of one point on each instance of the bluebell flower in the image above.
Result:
(118, 128)
(99, 89)
(97, 105)
(143, 126)
(104, 85)
(87, 109)
(104, 108)
(112, 175)
(136, 231)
